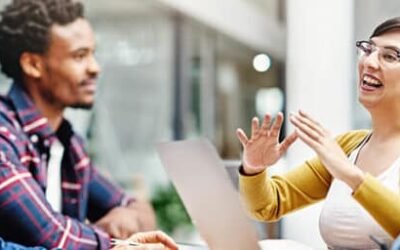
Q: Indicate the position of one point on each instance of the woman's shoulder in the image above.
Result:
(351, 139)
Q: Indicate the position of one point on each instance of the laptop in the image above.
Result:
(208, 194)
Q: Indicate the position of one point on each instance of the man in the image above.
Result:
(48, 186)
(12, 246)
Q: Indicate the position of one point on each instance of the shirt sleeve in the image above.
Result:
(271, 198)
(12, 246)
(32, 221)
(382, 203)
(103, 196)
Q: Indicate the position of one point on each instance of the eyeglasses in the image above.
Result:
(388, 56)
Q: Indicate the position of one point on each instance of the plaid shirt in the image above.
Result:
(25, 215)
(12, 246)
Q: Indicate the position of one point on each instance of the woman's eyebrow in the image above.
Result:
(393, 48)
(397, 49)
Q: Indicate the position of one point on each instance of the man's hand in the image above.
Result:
(155, 240)
(263, 148)
(122, 222)
(147, 218)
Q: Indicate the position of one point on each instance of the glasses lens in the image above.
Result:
(386, 55)
(389, 56)
(365, 47)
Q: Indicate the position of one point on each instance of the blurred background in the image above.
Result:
(179, 69)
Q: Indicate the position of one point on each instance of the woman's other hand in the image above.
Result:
(263, 148)
(327, 149)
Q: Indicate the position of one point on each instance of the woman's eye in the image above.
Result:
(390, 57)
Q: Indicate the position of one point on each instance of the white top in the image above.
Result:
(344, 223)
(53, 190)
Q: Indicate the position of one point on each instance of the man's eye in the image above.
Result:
(79, 56)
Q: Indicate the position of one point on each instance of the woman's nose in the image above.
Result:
(372, 60)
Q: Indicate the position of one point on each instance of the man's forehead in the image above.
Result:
(76, 34)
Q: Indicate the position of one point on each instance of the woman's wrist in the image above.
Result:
(248, 171)
(354, 178)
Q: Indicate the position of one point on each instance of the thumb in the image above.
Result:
(242, 137)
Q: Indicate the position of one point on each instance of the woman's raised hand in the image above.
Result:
(263, 149)
(328, 150)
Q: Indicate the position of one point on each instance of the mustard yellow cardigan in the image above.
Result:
(271, 198)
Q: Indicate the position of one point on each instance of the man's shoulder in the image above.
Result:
(5, 104)
(10, 127)
(7, 112)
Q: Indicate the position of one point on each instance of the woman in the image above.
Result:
(358, 173)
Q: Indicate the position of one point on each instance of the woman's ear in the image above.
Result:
(31, 64)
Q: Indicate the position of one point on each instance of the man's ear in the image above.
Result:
(31, 64)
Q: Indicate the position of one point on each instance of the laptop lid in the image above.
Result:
(203, 184)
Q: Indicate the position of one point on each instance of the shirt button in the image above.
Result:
(34, 138)
(46, 143)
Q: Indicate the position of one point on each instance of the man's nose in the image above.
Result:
(93, 66)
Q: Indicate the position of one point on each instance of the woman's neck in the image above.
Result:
(385, 125)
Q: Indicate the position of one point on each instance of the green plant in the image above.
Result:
(170, 212)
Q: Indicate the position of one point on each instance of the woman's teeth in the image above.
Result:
(371, 82)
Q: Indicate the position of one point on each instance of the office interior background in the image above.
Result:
(178, 69)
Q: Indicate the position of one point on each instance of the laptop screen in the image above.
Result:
(204, 186)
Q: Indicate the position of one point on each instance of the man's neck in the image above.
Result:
(53, 112)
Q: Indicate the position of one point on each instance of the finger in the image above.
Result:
(307, 140)
(166, 240)
(304, 114)
(312, 134)
(122, 247)
(154, 237)
(265, 125)
(114, 232)
(242, 137)
(277, 125)
(287, 142)
(150, 247)
(310, 122)
(254, 127)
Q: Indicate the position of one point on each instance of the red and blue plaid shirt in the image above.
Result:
(25, 215)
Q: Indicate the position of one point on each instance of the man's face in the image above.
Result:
(70, 69)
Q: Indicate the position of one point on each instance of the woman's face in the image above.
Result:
(379, 80)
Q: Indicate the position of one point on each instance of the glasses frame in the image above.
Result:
(359, 45)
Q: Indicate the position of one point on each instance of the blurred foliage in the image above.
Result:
(170, 211)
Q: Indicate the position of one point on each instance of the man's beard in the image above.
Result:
(84, 106)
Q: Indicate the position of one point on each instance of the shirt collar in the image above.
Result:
(32, 121)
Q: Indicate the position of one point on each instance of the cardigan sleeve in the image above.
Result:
(270, 198)
(382, 203)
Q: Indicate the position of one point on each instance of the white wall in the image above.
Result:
(319, 80)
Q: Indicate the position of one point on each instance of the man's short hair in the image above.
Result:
(25, 27)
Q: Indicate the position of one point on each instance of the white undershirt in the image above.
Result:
(53, 190)
(344, 223)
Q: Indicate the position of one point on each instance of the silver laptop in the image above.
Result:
(208, 194)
